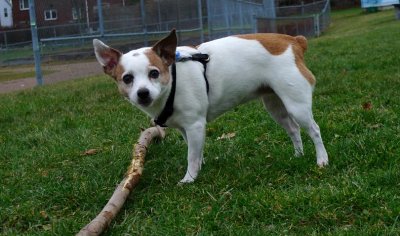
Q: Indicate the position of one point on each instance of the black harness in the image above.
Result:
(169, 105)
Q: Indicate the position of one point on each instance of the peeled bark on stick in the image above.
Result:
(124, 188)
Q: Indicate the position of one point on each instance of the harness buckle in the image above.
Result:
(201, 57)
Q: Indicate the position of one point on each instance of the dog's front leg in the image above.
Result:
(195, 140)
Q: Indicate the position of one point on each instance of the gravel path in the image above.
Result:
(62, 73)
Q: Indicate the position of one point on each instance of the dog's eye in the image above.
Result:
(127, 78)
(154, 74)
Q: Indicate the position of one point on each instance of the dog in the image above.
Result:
(186, 87)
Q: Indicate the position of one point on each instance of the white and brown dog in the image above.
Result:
(186, 87)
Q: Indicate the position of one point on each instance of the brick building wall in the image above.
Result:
(336, 4)
(20, 14)
(341, 4)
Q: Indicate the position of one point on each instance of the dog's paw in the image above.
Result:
(322, 161)
(298, 153)
(187, 179)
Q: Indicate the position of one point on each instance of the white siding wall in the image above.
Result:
(5, 14)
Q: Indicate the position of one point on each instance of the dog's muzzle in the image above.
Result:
(144, 97)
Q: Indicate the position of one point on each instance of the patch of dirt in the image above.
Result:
(62, 73)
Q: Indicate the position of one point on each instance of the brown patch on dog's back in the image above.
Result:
(156, 61)
(276, 44)
(299, 49)
(303, 68)
(302, 41)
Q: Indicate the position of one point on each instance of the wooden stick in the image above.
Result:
(124, 188)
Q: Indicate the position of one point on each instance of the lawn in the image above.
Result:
(251, 184)
(11, 54)
(6, 75)
(13, 73)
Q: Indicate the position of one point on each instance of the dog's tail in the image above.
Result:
(302, 41)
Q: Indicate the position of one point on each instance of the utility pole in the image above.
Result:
(35, 42)
(87, 15)
(178, 19)
(144, 26)
(101, 20)
(270, 12)
(200, 14)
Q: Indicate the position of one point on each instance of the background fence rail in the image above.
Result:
(66, 28)
(305, 19)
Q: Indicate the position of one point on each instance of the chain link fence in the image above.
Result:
(66, 28)
(309, 19)
(226, 17)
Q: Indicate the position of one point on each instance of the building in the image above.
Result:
(378, 3)
(20, 13)
(6, 19)
(56, 12)
(54, 18)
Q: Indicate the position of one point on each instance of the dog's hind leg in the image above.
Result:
(298, 104)
(195, 134)
(273, 104)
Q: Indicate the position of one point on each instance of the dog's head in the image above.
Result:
(141, 75)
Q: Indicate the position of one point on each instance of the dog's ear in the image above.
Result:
(108, 57)
(166, 47)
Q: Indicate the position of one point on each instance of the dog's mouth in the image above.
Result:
(145, 102)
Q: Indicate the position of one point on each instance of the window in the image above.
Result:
(24, 4)
(76, 13)
(5, 12)
(50, 14)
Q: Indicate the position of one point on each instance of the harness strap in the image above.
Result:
(199, 57)
(169, 105)
(203, 59)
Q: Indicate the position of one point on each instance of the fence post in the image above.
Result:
(5, 39)
(101, 21)
(143, 13)
(159, 16)
(35, 42)
(269, 8)
(316, 25)
(200, 13)
(241, 17)
(209, 18)
(227, 16)
(270, 12)
(87, 15)
(178, 20)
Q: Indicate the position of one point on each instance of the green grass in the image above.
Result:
(7, 75)
(250, 185)
(11, 54)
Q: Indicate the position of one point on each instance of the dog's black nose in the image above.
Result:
(143, 93)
